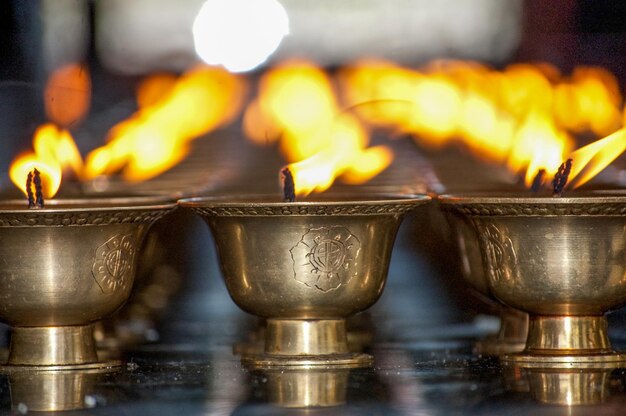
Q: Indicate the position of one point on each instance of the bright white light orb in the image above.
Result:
(239, 34)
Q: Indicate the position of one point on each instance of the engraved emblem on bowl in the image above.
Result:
(325, 258)
(113, 263)
(499, 254)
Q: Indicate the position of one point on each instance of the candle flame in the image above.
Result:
(345, 156)
(54, 152)
(523, 116)
(297, 106)
(172, 113)
(67, 96)
(591, 159)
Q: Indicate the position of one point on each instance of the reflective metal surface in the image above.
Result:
(422, 348)
(560, 259)
(511, 336)
(305, 267)
(65, 267)
(53, 390)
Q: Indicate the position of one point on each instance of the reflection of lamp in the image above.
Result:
(239, 34)
(53, 390)
(569, 387)
(307, 388)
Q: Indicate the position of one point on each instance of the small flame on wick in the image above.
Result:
(33, 181)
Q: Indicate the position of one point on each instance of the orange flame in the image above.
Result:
(591, 159)
(590, 100)
(297, 105)
(367, 164)
(153, 88)
(538, 145)
(346, 139)
(66, 99)
(521, 116)
(67, 94)
(59, 144)
(54, 151)
(298, 99)
(172, 113)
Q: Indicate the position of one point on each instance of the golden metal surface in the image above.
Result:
(52, 390)
(569, 387)
(559, 259)
(157, 280)
(307, 388)
(511, 336)
(305, 267)
(65, 267)
(359, 335)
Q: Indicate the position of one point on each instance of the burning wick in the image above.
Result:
(560, 179)
(34, 180)
(289, 187)
(538, 181)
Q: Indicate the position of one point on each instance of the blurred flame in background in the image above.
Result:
(67, 96)
(523, 117)
(172, 113)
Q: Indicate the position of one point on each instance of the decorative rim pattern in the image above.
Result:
(536, 207)
(59, 218)
(212, 208)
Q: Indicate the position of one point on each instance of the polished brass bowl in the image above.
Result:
(511, 336)
(305, 267)
(63, 268)
(562, 260)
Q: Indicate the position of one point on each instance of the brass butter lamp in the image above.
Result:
(511, 336)
(562, 260)
(305, 267)
(63, 267)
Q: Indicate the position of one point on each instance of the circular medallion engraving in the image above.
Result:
(113, 263)
(499, 254)
(328, 256)
(325, 258)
